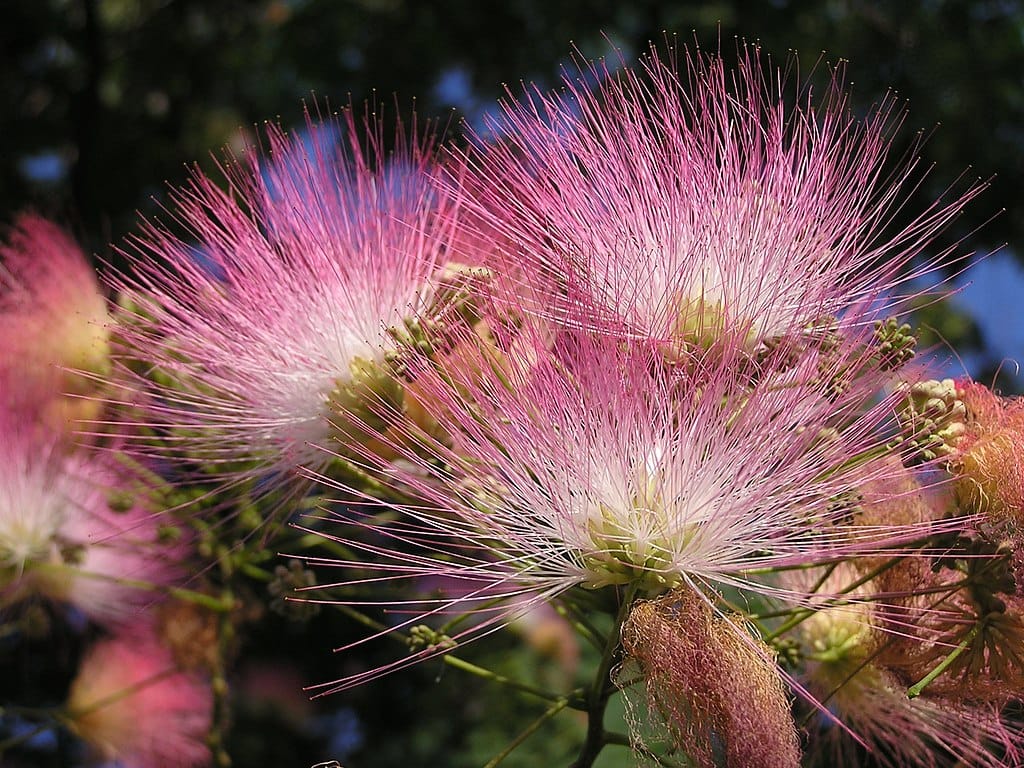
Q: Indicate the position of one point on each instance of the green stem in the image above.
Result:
(600, 691)
(466, 666)
(255, 572)
(312, 541)
(458, 663)
(185, 595)
(915, 690)
(448, 626)
(219, 682)
(550, 712)
(369, 623)
(580, 623)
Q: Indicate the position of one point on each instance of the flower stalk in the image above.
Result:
(602, 687)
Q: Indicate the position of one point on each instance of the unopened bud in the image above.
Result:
(894, 343)
(287, 581)
(421, 637)
(934, 419)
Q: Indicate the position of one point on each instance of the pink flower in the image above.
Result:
(700, 205)
(54, 325)
(276, 304)
(601, 466)
(131, 704)
(849, 665)
(989, 460)
(76, 527)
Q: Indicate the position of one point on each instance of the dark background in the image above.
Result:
(104, 102)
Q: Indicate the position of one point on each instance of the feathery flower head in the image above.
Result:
(847, 668)
(280, 306)
(75, 528)
(644, 494)
(989, 461)
(55, 325)
(581, 470)
(700, 203)
(979, 436)
(957, 624)
(131, 704)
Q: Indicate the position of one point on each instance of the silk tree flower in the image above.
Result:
(702, 203)
(76, 528)
(848, 667)
(985, 623)
(599, 465)
(55, 325)
(131, 704)
(276, 310)
(988, 462)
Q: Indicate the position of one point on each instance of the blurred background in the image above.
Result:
(104, 104)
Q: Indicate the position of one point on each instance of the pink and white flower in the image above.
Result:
(848, 667)
(55, 326)
(131, 704)
(278, 299)
(77, 528)
(691, 203)
(599, 465)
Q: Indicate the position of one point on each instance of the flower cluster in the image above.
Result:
(628, 365)
(82, 536)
